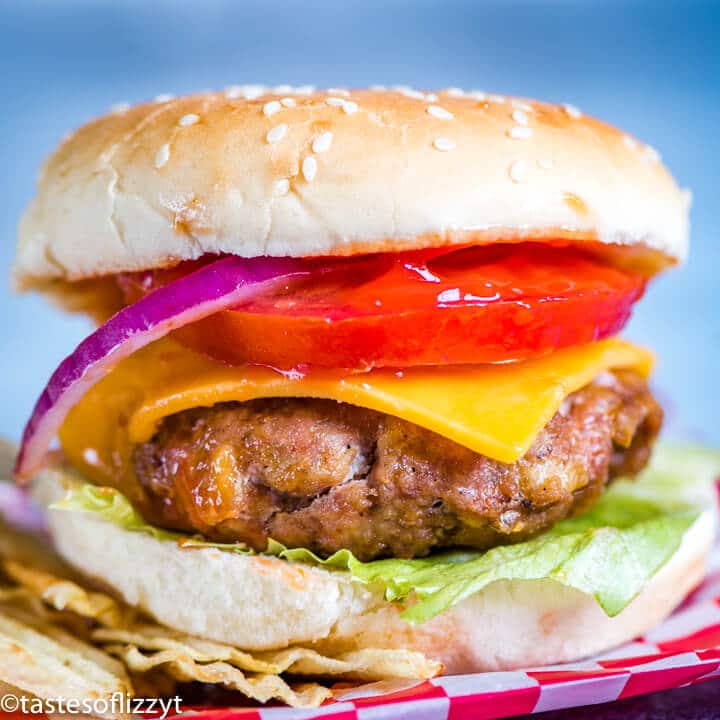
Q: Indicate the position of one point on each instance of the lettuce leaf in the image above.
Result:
(108, 504)
(609, 552)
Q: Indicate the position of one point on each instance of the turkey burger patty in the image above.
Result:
(326, 475)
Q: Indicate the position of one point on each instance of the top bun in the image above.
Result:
(254, 171)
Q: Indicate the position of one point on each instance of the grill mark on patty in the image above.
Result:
(325, 475)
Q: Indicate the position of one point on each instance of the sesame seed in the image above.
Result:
(270, 108)
(378, 88)
(444, 144)
(573, 111)
(414, 94)
(120, 107)
(250, 92)
(454, 92)
(339, 91)
(439, 112)
(520, 117)
(497, 98)
(282, 89)
(545, 164)
(335, 101)
(309, 168)
(233, 92)
(305, 89)
(281, 187)
(349, 107)
(277, 133)
(288, 102)
(478, 95)
(650, 154)
(520, 105)
(431, 97)
(189, 119)
(322, 142)
(162, 156)
(164, 97)
(519, 133)
(518, 171)
(629, 142)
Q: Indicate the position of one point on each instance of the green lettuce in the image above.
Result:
(108, 504)
(609, 552)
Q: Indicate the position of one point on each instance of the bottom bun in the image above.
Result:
(259, 602)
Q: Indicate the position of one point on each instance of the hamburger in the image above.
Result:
(356, 381)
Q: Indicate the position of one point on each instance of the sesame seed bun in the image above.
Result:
(298, 172)
(260, 603)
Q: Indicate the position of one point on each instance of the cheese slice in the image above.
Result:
(495, 410)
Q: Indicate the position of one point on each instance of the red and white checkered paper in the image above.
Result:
(683, 650)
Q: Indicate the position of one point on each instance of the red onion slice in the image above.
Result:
(212, 288)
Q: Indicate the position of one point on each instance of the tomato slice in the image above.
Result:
(489, 304)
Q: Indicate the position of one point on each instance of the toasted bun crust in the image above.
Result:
(260, 603)
(311, 173)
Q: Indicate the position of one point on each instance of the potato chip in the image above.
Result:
(369, 664)
(366, 664)
(42, 598)
(257, 686)
(156, 637)
(14, 593)
(47, 662)
(63, 594)
(155, 683)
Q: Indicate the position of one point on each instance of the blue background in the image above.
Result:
(650, 67)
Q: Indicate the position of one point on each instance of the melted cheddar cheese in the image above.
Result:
(495, 410)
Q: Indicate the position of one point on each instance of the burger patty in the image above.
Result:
(324, 475)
